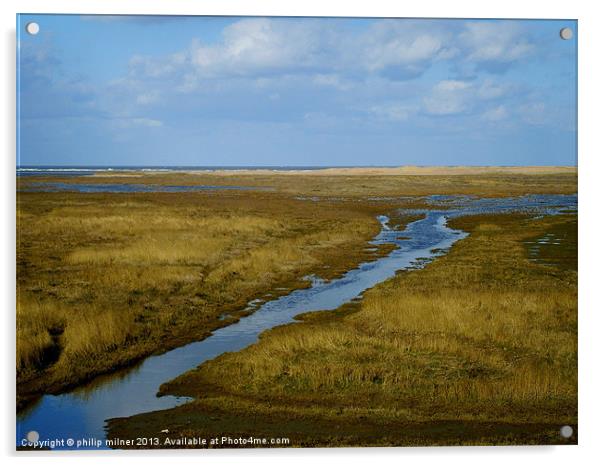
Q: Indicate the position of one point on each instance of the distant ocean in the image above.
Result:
(90, 170)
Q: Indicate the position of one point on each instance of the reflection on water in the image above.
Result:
(543, 204)
(82, 412)
(120, 188)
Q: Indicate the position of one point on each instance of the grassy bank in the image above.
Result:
(105, 279)
(480, 347)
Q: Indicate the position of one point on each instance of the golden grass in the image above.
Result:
(106, 279)
(174, 240)
(480, 335)
(35, 323)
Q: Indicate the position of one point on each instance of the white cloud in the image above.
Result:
(261, 44)
(456, 96)
(257, 47)
(402, 49)
(332, 80)
(490, 89)
(452, 86)
(391, 44)
(448, 97)
(266, 46)
(495, 41)
(157, 67)
(498, 113)
(148, 98)
(370, 70)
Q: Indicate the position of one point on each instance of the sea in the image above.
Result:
(62, 171)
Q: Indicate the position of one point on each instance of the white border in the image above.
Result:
(590, 321)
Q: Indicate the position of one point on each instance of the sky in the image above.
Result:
(251, 91)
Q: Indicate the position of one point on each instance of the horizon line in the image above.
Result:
(293, 166)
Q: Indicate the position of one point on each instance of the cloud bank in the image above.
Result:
(384, 78)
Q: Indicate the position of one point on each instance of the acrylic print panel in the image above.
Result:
(284, 232)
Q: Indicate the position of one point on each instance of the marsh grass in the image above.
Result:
(482, 334)
(327, 184)
(106, 279)
(36, 323)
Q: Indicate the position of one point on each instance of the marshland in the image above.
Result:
(478, 346)
(106, 279)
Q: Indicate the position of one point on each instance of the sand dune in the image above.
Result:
(406, 170)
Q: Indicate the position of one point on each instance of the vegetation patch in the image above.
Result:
(106, 279)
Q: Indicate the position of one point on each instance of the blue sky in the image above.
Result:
(291, 91)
